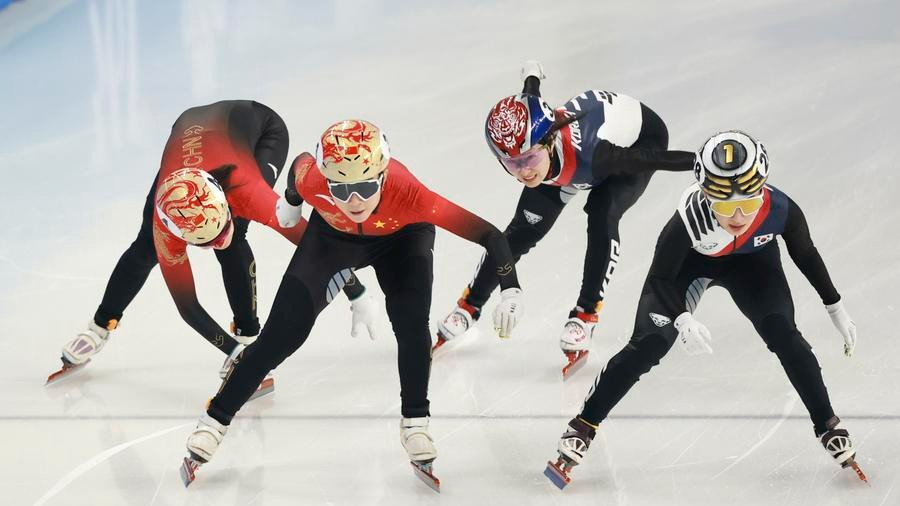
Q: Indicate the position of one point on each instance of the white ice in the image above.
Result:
(89, 89)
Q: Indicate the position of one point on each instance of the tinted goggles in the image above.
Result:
(364, 189)
(526, 160)
(728, 208)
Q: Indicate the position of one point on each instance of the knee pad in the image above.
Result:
(781, 335)
(644, 351)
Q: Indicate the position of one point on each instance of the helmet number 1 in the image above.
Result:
(729, 152)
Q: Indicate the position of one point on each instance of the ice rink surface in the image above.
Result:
(89, 90)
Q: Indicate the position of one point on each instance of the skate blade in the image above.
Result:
(65, 371)
(266, 387)
(440, 342)
(557, 475)
(188, 467)
(859, 473)
(577, 360)
(423, 471)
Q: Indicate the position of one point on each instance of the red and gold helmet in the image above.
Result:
(193, 206)
(352, 150)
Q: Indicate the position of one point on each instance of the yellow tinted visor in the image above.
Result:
(729, 207)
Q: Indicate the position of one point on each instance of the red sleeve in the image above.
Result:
(454, 219)
(258, 204)
(176, 269)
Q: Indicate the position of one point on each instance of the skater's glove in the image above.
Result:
(508, 312)
(842, 321)
(532, 68)
(693, 336)
(364, 309)
(288, 215)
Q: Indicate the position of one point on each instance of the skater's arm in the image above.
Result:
(805, 255)
(672, 248)
(612, 160)
(456, 220)
(176, 269)
(256, 202)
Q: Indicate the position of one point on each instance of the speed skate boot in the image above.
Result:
(838, 444)
(419, 446)
(201, 445)
(573, 444)
(461, 319)
(575, 340)
(78, 352)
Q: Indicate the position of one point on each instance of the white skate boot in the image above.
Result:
(575, 340)
(86, 344)
(838, 444)
(419, 446)
(573, 444)
(457, 322)
(78, 352)
(201, 446)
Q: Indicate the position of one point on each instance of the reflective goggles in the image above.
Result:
(220, 239)
(364, 189)
(526, 160)
(728, 208)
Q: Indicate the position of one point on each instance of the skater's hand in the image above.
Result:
(508, 312)
(364, 309)
(842, 321)
(532, 68)
(288, 215)
(693, 336)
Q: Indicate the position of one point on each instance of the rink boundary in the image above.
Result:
(342, 416)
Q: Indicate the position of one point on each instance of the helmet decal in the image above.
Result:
(192, 205)
(731, 165)
(352, 150)
(186, 195)
(507, 123)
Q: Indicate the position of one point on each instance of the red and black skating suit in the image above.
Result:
(693, 253)
(243, 144)
(397, 240)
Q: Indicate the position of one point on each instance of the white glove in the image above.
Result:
(532, 68)
(508, 312)
(693, 335)
(363, 308)
(842, 321)
(287, 215)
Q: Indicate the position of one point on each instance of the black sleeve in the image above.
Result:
(290, 191)
(612, 160)
(532, 86)
(672, 248)
(806, 256)
(354, 288)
